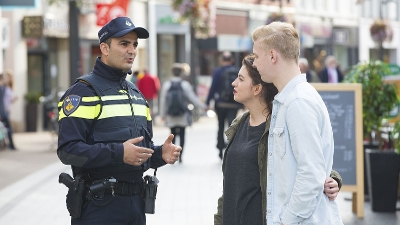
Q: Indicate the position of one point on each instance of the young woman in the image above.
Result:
(244, 164)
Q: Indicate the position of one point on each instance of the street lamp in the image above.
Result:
(74, 61)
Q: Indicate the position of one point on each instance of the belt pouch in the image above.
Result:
(150, 192)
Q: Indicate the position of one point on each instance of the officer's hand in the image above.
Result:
(170, 152)
(331, 188)
(135, 155)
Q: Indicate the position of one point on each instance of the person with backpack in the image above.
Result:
(176, 94)
(221, 91)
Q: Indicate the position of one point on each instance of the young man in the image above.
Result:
(106, 132)
(300, 142)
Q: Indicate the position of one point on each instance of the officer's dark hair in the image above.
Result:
(268, 89)
(108, 42)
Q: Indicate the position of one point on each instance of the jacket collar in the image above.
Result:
(108, 72)
(231, 131)
(281, 97)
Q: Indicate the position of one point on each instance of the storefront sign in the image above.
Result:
(234, 43)
(32, 26)
(340, 36)
(107, 12)
(394, 69)
(169, 19)
(316, 30)
(14, 3)
(167, 22)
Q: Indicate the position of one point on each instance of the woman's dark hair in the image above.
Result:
(268, 89)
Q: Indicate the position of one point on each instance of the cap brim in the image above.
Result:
(140, 31)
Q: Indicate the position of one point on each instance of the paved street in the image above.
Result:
(187, 195)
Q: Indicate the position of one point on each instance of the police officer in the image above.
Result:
(106, 130)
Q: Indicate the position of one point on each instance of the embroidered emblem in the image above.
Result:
(128, 23)
(136, 98)
(70, 104)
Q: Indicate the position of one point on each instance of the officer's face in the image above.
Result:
(122, 51)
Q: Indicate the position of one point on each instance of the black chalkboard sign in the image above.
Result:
(340, 106)
(344, 103)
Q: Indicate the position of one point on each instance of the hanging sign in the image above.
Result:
(107, 12)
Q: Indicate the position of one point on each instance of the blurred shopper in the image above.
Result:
(331, 73)
(311, 75)
(8, 97)
(149, 85)
(244, 168)
(175, 95)
(134, 77)
(225, 106)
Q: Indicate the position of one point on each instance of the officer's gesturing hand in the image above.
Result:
(136, 155)
(170, 152)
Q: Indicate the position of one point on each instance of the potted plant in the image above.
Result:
(378, 99)
(32, 100)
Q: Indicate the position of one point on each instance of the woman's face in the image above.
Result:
(243, 87)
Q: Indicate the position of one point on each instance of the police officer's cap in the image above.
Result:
(119, 27)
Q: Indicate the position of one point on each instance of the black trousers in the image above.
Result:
(180, 132)
(225, 115)
(116, 210)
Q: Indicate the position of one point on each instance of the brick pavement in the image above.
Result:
(187, 192)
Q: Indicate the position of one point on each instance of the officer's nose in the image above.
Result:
(132, 50)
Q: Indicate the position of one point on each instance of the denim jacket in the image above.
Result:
(300, 157)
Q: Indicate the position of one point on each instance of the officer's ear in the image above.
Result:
(104, 48)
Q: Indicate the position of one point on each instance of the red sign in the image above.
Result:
(107, 12)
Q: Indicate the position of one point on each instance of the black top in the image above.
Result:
(242, 193)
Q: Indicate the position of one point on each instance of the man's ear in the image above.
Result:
(274, 55)
(104, 48)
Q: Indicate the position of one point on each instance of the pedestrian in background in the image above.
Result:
(106, 133)
(331, 72)
(134, 77)
(149, 85)
(8, 97)
(244, 168)
(226, 110)
(300, 142)
(178, 123)
(311, 75)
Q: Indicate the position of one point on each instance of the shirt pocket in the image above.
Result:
(112, 134)
(279, 141)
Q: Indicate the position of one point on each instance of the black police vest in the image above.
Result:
(123, 115)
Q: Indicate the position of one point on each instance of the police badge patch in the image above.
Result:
(70, 104)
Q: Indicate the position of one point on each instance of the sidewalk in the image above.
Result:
(187, 195)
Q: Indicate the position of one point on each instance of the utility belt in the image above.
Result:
(81, 190)
(115, 187)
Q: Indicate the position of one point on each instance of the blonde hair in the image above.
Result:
(281, 37)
